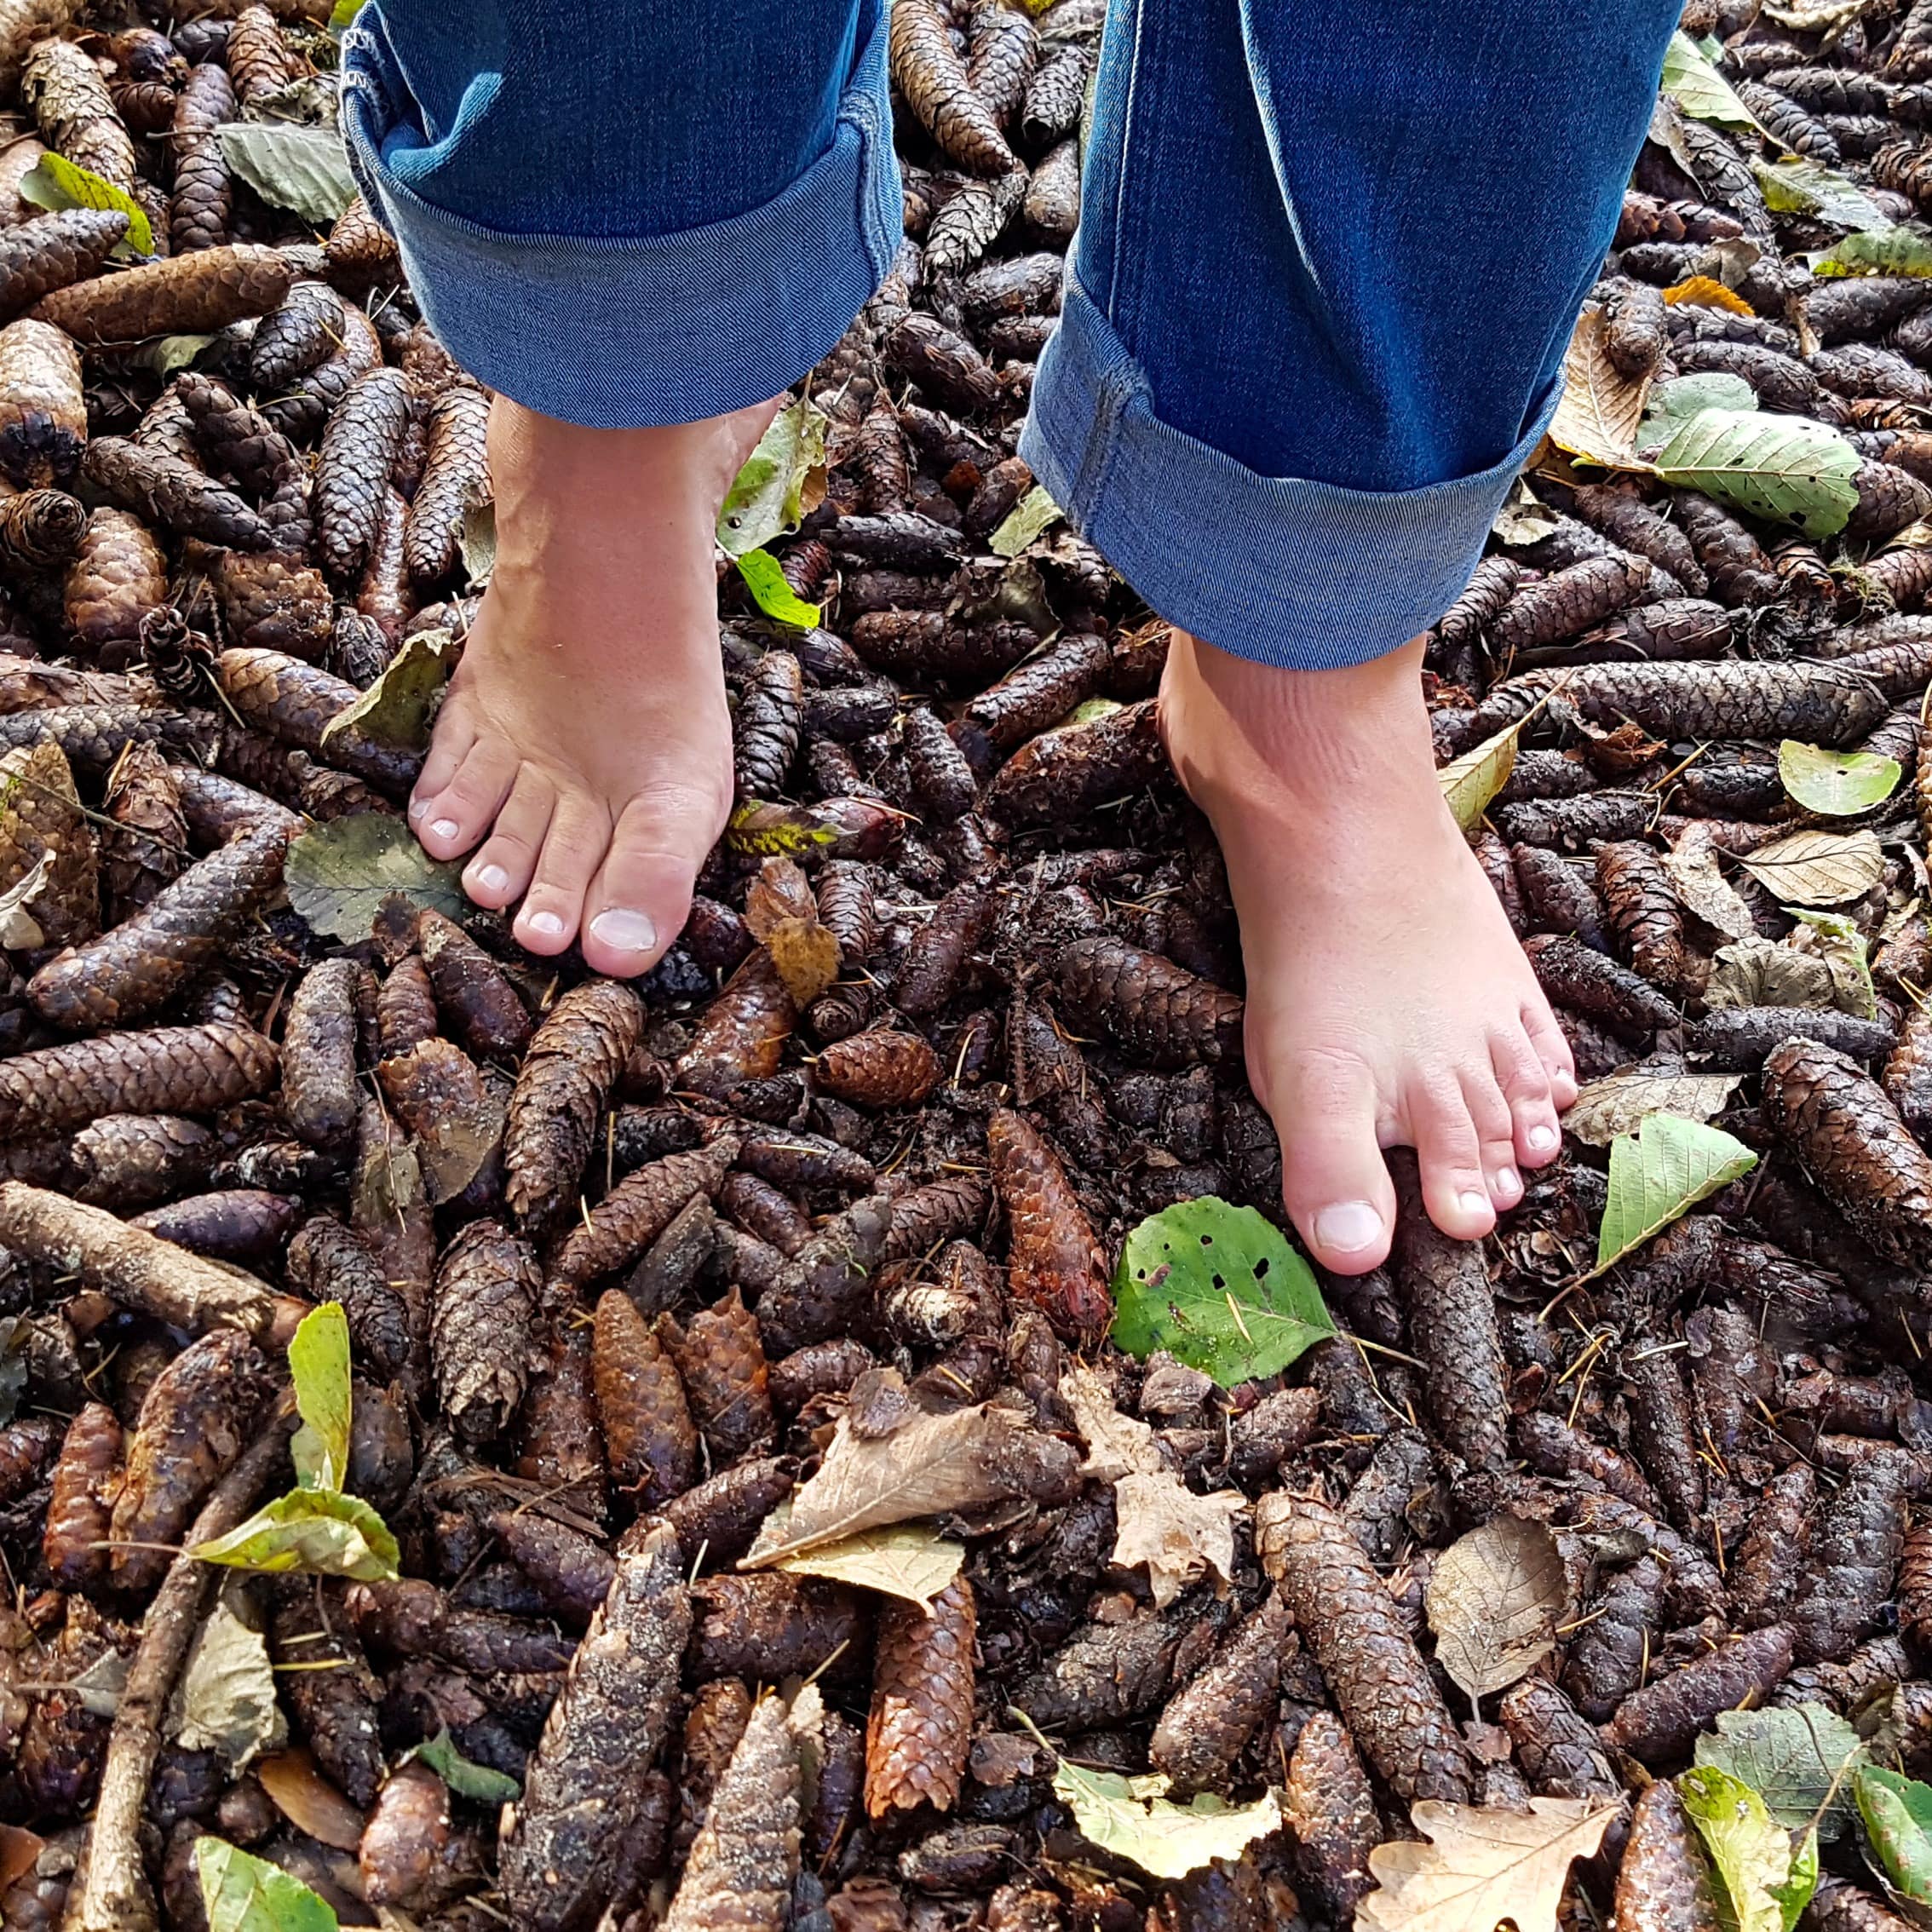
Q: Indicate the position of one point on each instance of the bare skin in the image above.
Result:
(584, 759)
(1388, 1002)
(583, 753)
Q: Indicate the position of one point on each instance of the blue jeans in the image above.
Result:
(1330, 255)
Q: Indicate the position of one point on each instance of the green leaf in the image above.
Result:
(319, 1532)
(772, 595)
(1698, 89)
(242, 1894)
(1897, 1812)
(1470, 782)
(339, 874)
(1749, 1852)
(302, 169)
(1795, 1760)
(1669, 1167)
(1787, 469)
(1219, 1288)
(397, 708)
(1836, 783)
(318, 1361)
(1895, 249)
(1794, 1894)
(1034, 514)
(1132, 1818)
(767, 498)
(1673, 403)
(54, 182)
(465, 1779)
(761, 829)
(168, 355)
(1843, 948)
(1794, 185)
(343, 17)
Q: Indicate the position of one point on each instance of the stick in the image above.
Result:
(111, 1892)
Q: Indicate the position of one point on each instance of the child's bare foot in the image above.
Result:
(585, 745)
(1388, 1003)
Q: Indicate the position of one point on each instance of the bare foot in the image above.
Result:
(1388, 1003)
(585, 745)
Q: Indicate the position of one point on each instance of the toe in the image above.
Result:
(462, 812)
(449, 745)
(1525, 1082)
(1495, 1127)
(1334, 1181)
(573, 848)
(502, 871)
(1449, 1152)
(641, 898)
(1554, 1050)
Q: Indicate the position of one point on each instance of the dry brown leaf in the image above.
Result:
(1701, 887)
(781, 891)
(308, 1801)
(1162, 1523)
(1701, 291)
(926, 1466)
(1481, 1866)
(1814, 867)
(1619, 1103)
(912, 1560)
(1761, 972)
(807, 957)
(1597, 416)
(1495, 1598)
(19, 1848)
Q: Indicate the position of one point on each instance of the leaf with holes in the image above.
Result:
(1661, 1172)
(777, 486)
(1620, 1102)
(1673, 403)
(397, 708)
(1836, 783)
(1899, 249)
(1816, 867)
(1784, 468)
(1132, 1818)
(1219, 1288)
(339, 874)
(1750, 1852)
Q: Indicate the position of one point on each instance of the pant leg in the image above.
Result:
(630, 214)
(1329, 258)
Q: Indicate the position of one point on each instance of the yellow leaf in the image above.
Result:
(1470, 782)
(909, 1560)
(1130, 1817)
(1481, 1866)
(1704, 291)
(807, 957)
(1597, 418)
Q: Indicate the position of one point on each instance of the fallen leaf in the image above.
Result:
(1799, 1761)
(318, 1531)
(1469, 782)
(1699, 882)
(1620, 1102)
(1697, 87)
(14, 1335)
(397, 708)
(1031, 517)
(1751, 1853)
(1665, 1170)
(1700, 291)
(240, 1892)
(308, 1801)
(466, 1779)
(1838, 942)
(1903, 249)
(98, 1688)
(806, 954)
(1836, 783)
(930, 1465)
(338, 875)
(1481, 1866)
(765, 579)
(1598, 413)
(319, 1363)
(1794, 185)
(1132, 1818)
(1494, 1600)
(19, 1848)
(18, 927)
(54, 182)
(1219, 1288)
(302, 169)
(1524, 519)
(1761, 972)
(767, 498)
(762, 830)
(454, 1144)
(1786, 469)
(911, 1561)
(1897, 1814)
(1673, 403)
(1160, 1522)
(225, 1701)
(1815, 867)
(476, 542)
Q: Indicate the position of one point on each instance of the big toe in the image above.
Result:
(1334, 1182)
(641, 895)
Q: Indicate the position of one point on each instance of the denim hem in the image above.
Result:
(1282, 570)
(634, 332)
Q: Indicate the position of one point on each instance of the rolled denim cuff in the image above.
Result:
(1283, 570)
(637, 332)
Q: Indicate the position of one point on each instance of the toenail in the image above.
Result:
(548, 923)
(417, 807)
(1470, 1202)
(1504, 1181)
(1348, 1227)
(444, 828)
(490, 878)
(625, 930)
(1543, 1138)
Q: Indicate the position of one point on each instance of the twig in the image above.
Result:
(111, 1891)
